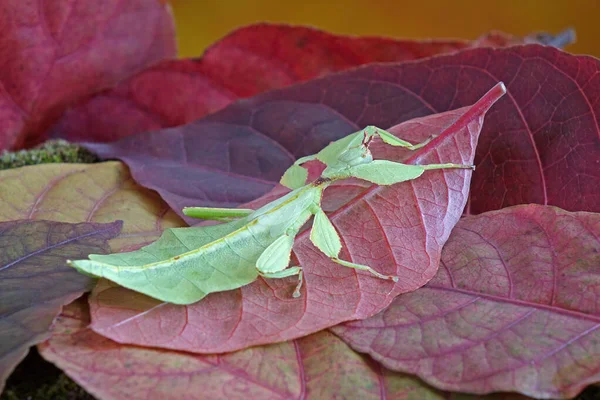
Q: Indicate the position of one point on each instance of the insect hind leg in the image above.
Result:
(284, 274)
(365, 268)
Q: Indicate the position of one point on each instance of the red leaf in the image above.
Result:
(539, 145)
(35, 281)
(396, 230)
(53, 54)
(316, 367)
(247, 62)
(514, 308)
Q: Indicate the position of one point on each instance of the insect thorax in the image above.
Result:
(351, 157)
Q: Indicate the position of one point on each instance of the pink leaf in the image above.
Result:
(319, 366)
(396, 230)
(245, 63)
(514, 308)
(53, 54)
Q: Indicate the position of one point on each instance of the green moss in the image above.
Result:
(53, 151)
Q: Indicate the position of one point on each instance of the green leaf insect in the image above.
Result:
(186, 264)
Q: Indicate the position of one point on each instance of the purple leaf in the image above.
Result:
(539, 144)
(35, 281)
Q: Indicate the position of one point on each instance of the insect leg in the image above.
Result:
(216, 214)
(384, 172)
(284, 274)
(390, 139)
(446, 166)
(364, 268)
(324, 236)
(274, 261)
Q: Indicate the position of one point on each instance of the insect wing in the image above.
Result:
(383, 172)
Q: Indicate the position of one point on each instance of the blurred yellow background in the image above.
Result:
(201, 22)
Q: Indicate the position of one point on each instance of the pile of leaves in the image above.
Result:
(500, 276)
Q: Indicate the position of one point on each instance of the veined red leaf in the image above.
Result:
(53, 54)
(397, 229)
(245, 63)
(540, 144)
(35, 281)
(514, 308)
(319, 366)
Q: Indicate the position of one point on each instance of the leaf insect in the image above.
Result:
(186, 264)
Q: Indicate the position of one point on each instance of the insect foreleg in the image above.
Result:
(216, 214)
(392, 140)
(384, 172)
